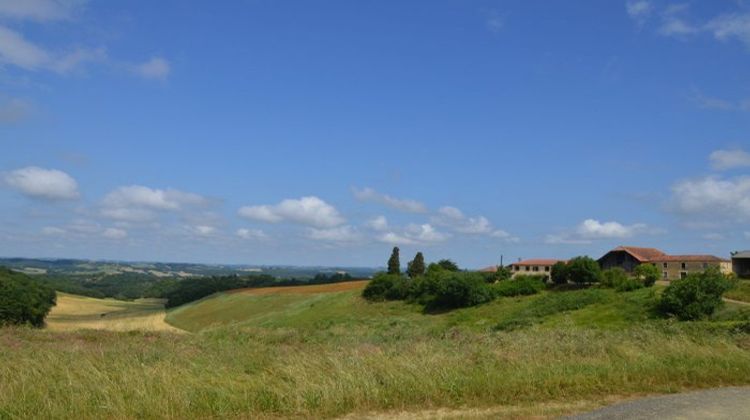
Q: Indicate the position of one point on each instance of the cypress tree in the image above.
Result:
(394, 264)
(415, 267)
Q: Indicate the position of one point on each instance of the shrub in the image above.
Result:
(521, 285)
(648, 274)
(455, 290)
(628, 284)
(385, 286)
(584, 270)
(613, 276)
(23, 300)
(559, 274)
(696, 296)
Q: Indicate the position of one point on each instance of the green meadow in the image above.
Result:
(287, 353)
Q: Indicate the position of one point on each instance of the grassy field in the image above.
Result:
(291, 352)
(78, 312)
(741, 292)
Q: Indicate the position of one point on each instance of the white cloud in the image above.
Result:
(156, 68)
(379, 223)
(594, 229)
(731, 26)
(39, 10)
(405, 205)
(414, 234)
(115, 233)
(639, 10)
(677, 27)
(18, 51)
(36, 182)
(591, 229)
(456, 220)
(13, 110)
(52, 231)
(728, 159)
(395, 239)
(203, 230)
(338, 234)
(251, 234)
(714, 197)
(136, 203)
(311, 211)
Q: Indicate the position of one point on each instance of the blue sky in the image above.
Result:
(323, 133)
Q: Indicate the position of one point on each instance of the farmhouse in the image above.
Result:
(673, 267)
(741, 263)
(534, 266)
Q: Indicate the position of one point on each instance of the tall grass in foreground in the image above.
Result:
(242, 371)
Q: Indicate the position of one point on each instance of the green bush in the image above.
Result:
(521, 285)
(648, 274)
(628, 284)
(584, 270)
(613, 276)
(455, 290)
(696, 296)
(385, 286)
(23, 300)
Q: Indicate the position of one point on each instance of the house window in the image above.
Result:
(664, 265)
(664, 275)
(682, 266)
(683, 274)
(705, 266)
(527, 268)
(536, 268)
(546, 269)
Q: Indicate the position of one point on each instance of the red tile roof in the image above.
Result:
(490, 269)
(688, 258)
(539, 261)
(641, 254)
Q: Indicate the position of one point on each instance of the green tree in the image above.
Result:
(394, 264)
(584, 270)
(415, 267)
(503, 273)
(23, 300)
(560, 274)
(448, 265)
(696, 296)
(647, 273)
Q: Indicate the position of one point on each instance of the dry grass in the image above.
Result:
(78, 312)
(305, 290)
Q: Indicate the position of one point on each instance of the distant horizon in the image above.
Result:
(322, 135)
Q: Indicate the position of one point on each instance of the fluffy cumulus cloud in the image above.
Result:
(414, 234)
(245, 233)
(592, 229)
(713, 197)
(138, 203)
(405, 205)
(310, 211)
(454, 219)
(156, 68)
(338, 234)
(729, 159)
(49, 184)
(379, 223)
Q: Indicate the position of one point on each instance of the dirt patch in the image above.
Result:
(305, 290)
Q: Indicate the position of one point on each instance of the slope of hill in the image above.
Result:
(325, 352)
(79, 312)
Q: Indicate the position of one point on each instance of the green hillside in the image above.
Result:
(325, 352)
